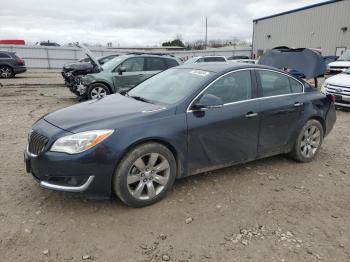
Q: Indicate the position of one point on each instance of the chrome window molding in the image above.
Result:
(251, 99)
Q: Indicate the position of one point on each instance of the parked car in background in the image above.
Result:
(340, 65)
(11, 64)
(238, 57)
(184, 121)
(248, 61)
(330, 58)
(123, 73)
(48, 43)
(200, 59)
(339, 86)
(72, 72)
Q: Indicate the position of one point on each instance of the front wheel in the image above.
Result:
(144, 175)
(309, 142)
(97, 91)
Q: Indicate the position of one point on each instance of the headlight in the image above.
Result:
(80, 142)
(324, 87)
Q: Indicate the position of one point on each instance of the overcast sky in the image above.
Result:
(134, 22)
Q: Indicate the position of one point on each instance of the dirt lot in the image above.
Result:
(268, 210)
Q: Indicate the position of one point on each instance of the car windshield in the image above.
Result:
(111, 64)
(170, 86)
(345, 56)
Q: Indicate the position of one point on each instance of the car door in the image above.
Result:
(133, 74)
(281, 108)
(219, 137)
(154, 65)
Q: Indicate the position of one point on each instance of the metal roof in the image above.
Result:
(298, 9)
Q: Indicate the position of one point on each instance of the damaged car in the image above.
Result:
(123, 73)
(73, 72)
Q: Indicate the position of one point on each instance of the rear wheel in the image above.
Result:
(144, 175)
(6, 72)
(97, 91)
(309, 142)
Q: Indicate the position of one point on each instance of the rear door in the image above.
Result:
(281, 107)
(134, 69)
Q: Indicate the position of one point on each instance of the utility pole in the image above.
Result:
(206, 33)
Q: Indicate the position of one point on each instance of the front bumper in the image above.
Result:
(89, 173)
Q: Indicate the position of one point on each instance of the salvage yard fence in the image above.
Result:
(42, 57)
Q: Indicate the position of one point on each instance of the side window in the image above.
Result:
(156, 64)
(5, 56)
(171, 62)
(133, 64)
(295, 86)
(200, 60)
(273, 83)
(233, 87)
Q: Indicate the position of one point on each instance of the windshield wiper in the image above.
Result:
(140, 98)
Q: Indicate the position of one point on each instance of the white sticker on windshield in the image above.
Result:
(199, 72)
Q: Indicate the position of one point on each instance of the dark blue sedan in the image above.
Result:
(183, 121)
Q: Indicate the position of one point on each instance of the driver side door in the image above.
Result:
(219, 137)
(134, 67)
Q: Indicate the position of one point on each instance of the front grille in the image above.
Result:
(37, 143)
(338, 90)
(339, 67)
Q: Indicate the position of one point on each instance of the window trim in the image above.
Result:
(253, 70)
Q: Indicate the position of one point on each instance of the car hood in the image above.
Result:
(340, 79)
(340, 63)
(106, 113)
(77, 66)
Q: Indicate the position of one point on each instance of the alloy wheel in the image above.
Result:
(148, 176)
(98, 92)
(310, 141)
(5, 72)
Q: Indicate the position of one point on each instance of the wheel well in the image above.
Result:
(159, 141)
(321, 120)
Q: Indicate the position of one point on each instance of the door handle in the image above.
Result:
(251, 114)
(297, 104)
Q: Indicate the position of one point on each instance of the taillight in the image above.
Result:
(20, 61)
(331, 97)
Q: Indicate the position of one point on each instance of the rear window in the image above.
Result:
(4, 56)
(214, 59)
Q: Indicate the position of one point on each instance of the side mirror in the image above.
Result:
(208, 101)
(121, 70)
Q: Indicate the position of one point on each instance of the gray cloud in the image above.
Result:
(134, 23)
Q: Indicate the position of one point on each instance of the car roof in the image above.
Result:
(217, 67)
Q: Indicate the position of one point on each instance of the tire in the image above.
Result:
(308, 143)
(97, 91)
(6, 72)
(136, 180)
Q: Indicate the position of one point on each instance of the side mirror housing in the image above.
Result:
(121, 70)
(208, 101)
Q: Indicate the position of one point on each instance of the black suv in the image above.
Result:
(10, 64)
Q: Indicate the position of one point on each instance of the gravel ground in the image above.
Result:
(268, 210)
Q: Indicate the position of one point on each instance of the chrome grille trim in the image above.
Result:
(37, 143)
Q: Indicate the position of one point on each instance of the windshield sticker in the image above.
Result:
(199, 72)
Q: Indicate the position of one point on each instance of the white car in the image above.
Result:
(200, 59)
(342, 63)
(339, 86)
